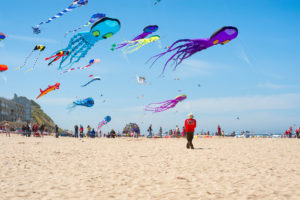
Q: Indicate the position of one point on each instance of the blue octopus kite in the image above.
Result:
(81, 43)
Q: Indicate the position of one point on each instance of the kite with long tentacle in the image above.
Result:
(57, 56)
(82, 42)
(75, 4)
(192, 46)
(88, 102)
(136, 45)
(49, 89)
(39, 48)
(94, 79)
(165, 105)
(148, 30)
(106, 120)
(93, 19)
(93, 61)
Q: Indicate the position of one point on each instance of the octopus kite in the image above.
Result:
(148, 30)
(82, 42)
(88, 102)
(75, 4)
(192, 46)
(93, 61)
(93, 19)
(106, 120)
(165, 105)
(39, 48)
(136, 45)
(49, 89)
(57, 56)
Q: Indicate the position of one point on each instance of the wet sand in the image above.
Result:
(128, 168)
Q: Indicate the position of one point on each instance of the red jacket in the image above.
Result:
(190, 125)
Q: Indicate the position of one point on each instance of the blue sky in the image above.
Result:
(254, 77)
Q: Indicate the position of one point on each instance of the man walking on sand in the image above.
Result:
(190, 125)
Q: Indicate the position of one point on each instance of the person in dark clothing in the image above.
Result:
(190, 125)
(24, 130)
(112, 133)
(160, 131)
(76, 131)
(150, 131)
(56, 131)
(28, 130)
(93, 133)
(42, 128)
(81, 131)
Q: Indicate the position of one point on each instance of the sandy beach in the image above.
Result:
(130, 168)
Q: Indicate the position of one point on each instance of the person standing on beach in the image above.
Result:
(76, 131)
(112, 133)
(88, 130)
(177, 131)
(42, 128)
(7, 131)
(190, 125)
(81, 131)
(56, 131)
(160, 132)
(150, 131)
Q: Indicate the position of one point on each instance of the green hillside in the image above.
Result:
(40, 117)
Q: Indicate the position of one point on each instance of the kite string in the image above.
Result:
(25, 61)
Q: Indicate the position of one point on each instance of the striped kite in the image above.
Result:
(75, 4)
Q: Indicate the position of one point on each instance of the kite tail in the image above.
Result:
(25, 61)
(35, 61)
(58, 15)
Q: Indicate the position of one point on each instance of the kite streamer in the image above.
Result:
(75, 4)
(93, 61)
(136, 45)
(148, 30)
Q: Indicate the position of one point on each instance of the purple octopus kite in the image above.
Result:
(192, 46)
(148, 30)
(165, 105)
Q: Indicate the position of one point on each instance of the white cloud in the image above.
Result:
(271, 86)
(245, 57)
(56, 101)
(240, 104)
(32, 39)
(4, 78)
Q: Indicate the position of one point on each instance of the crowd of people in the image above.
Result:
(187, 131)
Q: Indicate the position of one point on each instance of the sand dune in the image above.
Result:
(125, 168)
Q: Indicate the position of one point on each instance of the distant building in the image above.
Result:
(26, 103)
(17, 109)
(11, 111)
